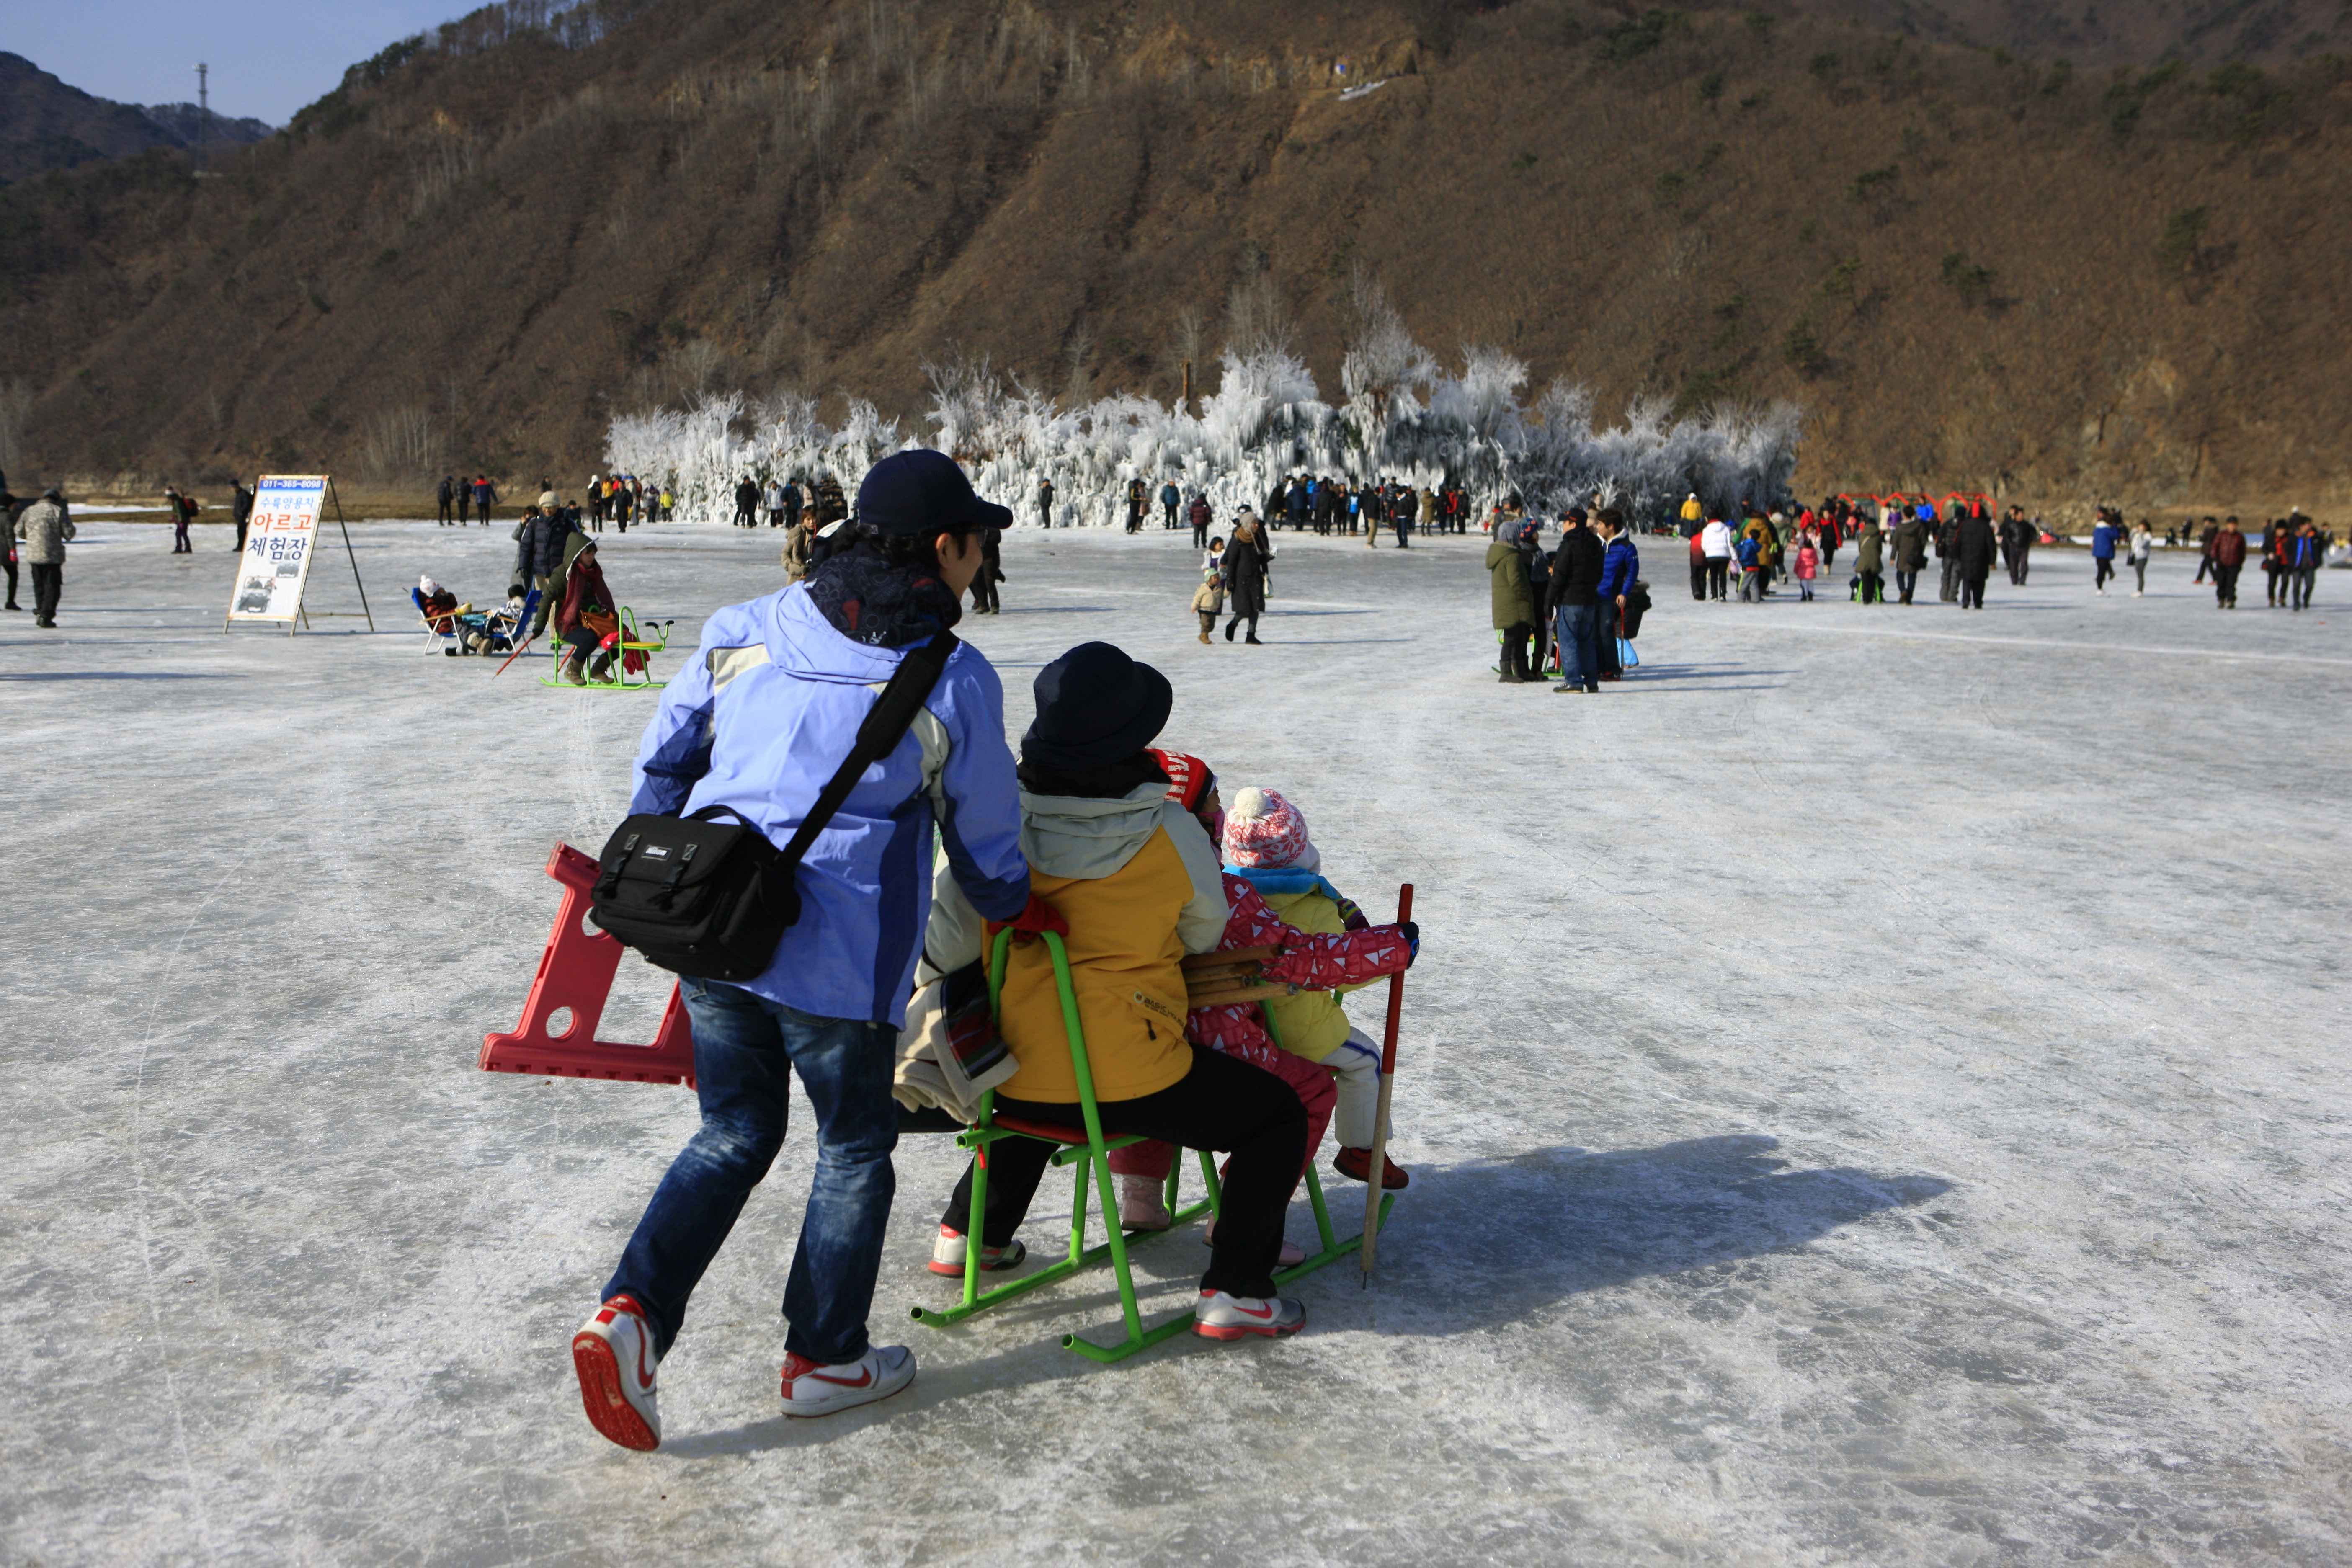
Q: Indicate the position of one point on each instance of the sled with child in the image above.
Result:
(557, 1037)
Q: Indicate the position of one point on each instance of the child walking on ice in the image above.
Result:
(1266, 845)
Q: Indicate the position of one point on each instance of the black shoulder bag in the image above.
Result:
(712, 899)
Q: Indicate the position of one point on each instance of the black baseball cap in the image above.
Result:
(919, 492)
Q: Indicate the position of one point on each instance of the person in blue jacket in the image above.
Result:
(759, 721)
(1621, 566)
(2102, 551)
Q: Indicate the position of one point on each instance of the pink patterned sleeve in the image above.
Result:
(1312, 961)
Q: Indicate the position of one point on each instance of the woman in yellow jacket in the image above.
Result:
(1135, 878)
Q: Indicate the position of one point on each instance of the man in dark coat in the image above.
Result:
(1569, 600)
(539, 558)
(1973, 549)
(747, 503)
(448, 494)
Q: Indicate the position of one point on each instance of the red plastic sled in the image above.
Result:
(575, 976)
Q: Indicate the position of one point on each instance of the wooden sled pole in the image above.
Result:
(1379, 1164)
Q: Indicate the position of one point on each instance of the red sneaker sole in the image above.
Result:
(609, 1410)
(1236, 1331)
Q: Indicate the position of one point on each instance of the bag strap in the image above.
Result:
(887, 723)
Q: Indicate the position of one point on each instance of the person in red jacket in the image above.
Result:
(2229, 554)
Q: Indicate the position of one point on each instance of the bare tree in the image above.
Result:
(399, 444)
(692, 366)
(1257, 322)
(1078, 349)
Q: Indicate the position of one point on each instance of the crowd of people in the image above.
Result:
(1570, 604)
(1304, 502)
(2293, 548)
(784, 501)
(1095, 832)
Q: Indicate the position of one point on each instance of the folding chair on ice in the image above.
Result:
(507, 628)
(441, 630)
(1087, 1153)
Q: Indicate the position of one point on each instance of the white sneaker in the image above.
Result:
(1217, 1316)
(1143, 1204)
(813, 1390)
(946, 1254)
(614, 1355)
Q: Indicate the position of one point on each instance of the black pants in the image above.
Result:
(1514, 650)
(1906, 584)
(1222, 1103)
(9, 566)
(1972, 590)
(1698, 577)
(1874, 587)
(1044, 515)
(1169, 507)
(1201, 534)
(2275, 587)
(984, 592)
(445, 510)
(2203, 567)
(48, 583)
(2305, 578)
(2225, 584)
(2102, 568)
(1237, 620)
(1718, 576)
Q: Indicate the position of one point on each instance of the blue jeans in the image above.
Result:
(1580, 657)
(743, 1046)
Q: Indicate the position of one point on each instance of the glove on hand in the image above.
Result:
(1411, 938)
(1350, 915)
(1036, 916)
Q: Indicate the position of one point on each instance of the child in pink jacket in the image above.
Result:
(1808, 566)
(1309, 961)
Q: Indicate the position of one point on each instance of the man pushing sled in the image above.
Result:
(769, 708)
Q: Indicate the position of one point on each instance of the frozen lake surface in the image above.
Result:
(1875, 1084)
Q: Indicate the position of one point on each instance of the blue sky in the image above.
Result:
(269, 57)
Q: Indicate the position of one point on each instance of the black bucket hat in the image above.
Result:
(1095, 706)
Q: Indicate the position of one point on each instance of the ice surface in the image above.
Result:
(1874, 1082)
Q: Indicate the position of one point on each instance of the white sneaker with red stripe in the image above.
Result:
(614, 1355)
(946, 1254)
(1218, 1316)
(813, 1390)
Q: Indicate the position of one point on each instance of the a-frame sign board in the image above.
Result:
(276, 566)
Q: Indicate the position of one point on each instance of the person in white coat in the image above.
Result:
(1715, 544)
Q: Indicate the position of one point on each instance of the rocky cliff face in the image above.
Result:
(1975, 269)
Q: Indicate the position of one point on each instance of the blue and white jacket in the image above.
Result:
(1619, 564)
(760, 722)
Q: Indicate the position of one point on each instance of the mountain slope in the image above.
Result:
(1973, 269)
